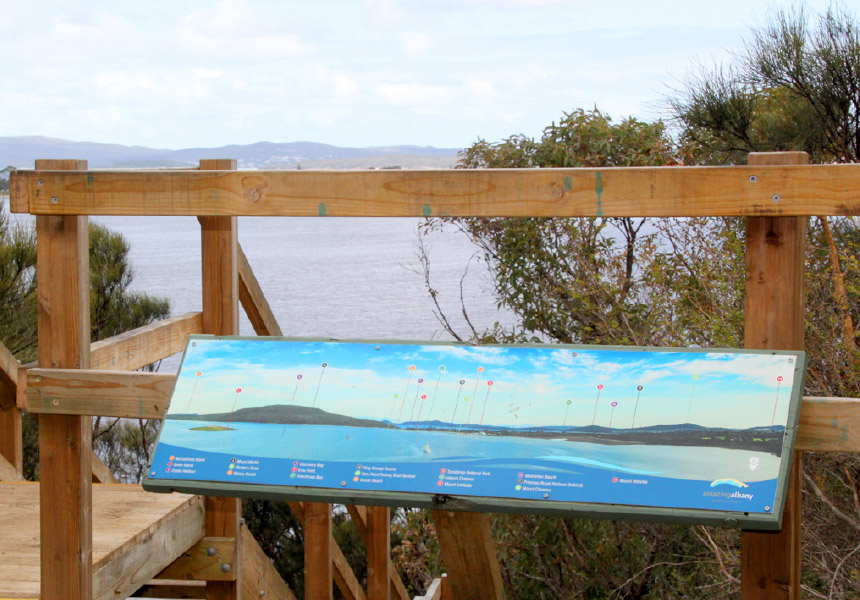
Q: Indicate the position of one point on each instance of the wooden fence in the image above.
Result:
(776, 192)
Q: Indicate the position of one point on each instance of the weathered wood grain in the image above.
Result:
(134, 532)
(254, 300)
(128, 394)
(469, 555)
(204, 561)
(219, 245)
(774, 319)
(145, 345)
(378, 543)
(343, 575)
(65, 442)
(613, 192)
(260, 579)
(317, 527)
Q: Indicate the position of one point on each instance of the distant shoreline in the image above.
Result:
(688, 435)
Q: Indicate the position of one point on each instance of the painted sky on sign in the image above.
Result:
(353, 73)
(530, 386)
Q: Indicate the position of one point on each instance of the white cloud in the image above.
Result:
(231, 30)
(416, 44)
(408, 93)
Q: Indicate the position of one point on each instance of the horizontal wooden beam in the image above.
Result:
(145, 345)
(829, 425)
(611, 192)
(826, 424)
(210, 559)
(129, 394)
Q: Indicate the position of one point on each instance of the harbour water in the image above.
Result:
(343, 278)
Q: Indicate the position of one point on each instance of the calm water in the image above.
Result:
(370, 444)
(356, 460)
(323, 277)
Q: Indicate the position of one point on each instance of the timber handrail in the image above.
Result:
(755, 190)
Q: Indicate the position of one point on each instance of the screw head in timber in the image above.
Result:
(776, 198)
(54, 200)
(211, 551)
(753, 178)
(41, 182)
(55, 401)
(225, 568)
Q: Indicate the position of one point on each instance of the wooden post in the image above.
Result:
(378, 552)
(65, 442)
(317, 538)
(773, 319)
(219, 246)
(469, 554)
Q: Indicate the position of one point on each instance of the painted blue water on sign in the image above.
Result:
(468, 464)
(616, 426)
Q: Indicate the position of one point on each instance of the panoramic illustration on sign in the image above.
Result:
(676, 429)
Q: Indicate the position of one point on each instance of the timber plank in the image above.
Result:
(133, 532)
(260, 579)
(8, 471)
(588, 192)
(145, 345)
(774, 319)
(254, 301)
(129, 394)
(829, 425)
(343, 575)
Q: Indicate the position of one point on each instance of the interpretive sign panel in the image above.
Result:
(661, 434)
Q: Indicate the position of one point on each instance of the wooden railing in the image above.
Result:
(777, 192)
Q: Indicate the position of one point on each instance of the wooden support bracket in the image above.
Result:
(469, 554)
(210, 559)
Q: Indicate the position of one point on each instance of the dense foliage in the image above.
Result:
(123, 445)
(680, 282)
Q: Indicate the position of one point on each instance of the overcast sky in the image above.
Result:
(174, 73)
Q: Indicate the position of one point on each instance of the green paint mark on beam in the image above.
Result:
(568, 184)
(427, 210)
(322, 209)
(90, 180)
(598, 187)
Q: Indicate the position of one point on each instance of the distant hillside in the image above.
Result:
(21, 152)
(298, 415)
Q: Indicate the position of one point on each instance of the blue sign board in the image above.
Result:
(622, 432)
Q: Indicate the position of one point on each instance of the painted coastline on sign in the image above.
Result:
(701, 429)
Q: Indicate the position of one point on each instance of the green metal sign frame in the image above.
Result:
(675, 435)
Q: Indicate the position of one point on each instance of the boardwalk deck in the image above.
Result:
(135, 535)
